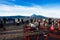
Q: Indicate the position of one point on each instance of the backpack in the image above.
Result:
(52, 28)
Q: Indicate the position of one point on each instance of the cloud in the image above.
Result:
(6, 10)
(18, 10)
(7, 2)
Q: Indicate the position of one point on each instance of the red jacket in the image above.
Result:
(28, 29)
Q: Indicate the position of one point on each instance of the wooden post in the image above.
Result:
(25, 38)
(37, 37)
(28, 37)
(46, 37)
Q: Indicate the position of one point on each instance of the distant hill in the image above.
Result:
(38, 16)
(33, 16)
(14, 16)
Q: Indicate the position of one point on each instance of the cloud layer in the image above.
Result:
(6, 10)
(27, 8)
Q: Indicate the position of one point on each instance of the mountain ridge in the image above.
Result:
(19, 16)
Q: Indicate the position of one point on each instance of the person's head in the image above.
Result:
(52, 23)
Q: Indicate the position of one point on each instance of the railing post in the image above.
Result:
(37, 37)
(25, 38)
(28, 37)
(46, 37)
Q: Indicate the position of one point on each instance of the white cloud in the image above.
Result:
(6, 10)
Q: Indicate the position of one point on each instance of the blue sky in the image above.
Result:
(49, 8)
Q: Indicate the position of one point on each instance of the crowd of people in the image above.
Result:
(2, 23)
(34, 23)
(50, 24)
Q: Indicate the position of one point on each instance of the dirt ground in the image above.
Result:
(12, 32)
